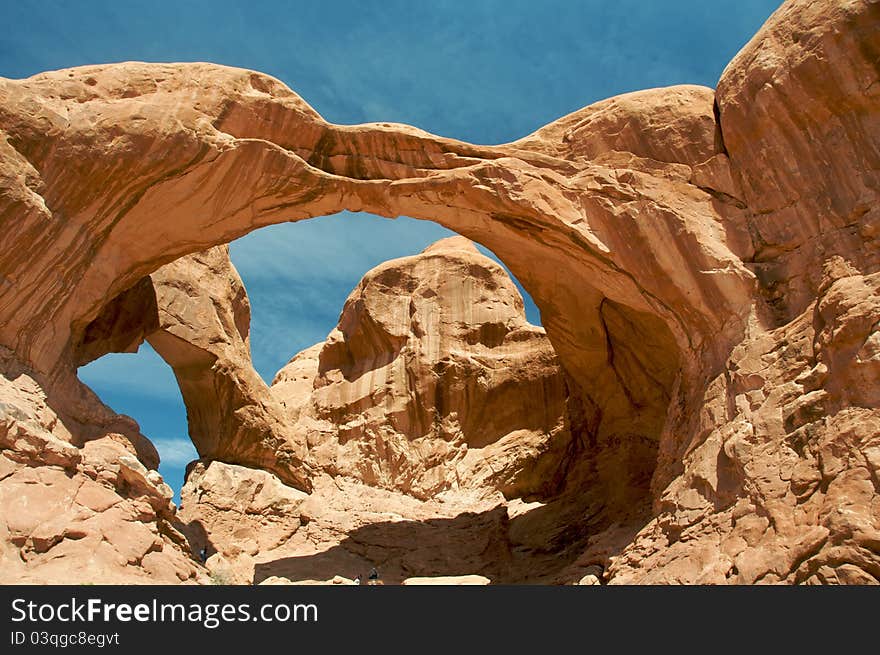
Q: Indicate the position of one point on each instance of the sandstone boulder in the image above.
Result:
(433, 380)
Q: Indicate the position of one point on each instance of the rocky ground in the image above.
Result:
(701, 405)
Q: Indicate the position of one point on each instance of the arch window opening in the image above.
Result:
(143, 386)
(297, 277)
(403, 364)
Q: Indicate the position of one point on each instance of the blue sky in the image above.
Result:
(486, 71)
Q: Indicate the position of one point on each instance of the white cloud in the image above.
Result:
(142, 374)
(175, 452)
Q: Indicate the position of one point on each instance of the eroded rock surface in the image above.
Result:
(433, 380)
(783, 484)
(429, 408)
(704, 261)
(202, 332)
(196, 314)
(81, 507)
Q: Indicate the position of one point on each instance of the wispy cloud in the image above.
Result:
(143, 373)
(175, 452)
(338, 248)
(298, 275)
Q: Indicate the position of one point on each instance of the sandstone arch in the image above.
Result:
(184, 157)
(660, 233)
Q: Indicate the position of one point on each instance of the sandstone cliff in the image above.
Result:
(434, 380)
(78, 505)
(704, 261)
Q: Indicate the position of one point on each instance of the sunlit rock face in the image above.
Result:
(80, 499)
(433, 380)
(705, 263)
(442, 437)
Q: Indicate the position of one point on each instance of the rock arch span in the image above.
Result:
(656, 231)
(132, 166)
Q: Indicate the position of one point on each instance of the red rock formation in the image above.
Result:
(76, 502)
(434, 388)
(203, 327)
(434, 380)
(704, 264)
(196, 315)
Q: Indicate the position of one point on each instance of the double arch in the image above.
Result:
(134, 166)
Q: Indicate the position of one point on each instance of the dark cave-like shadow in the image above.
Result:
(200, 545)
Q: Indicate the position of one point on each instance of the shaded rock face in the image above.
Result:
(231, 514)
(345, 528)
(434, 380)
(704, 261)
(783, 484)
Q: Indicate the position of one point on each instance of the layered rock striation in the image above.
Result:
(704, 261)
(433, 380)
